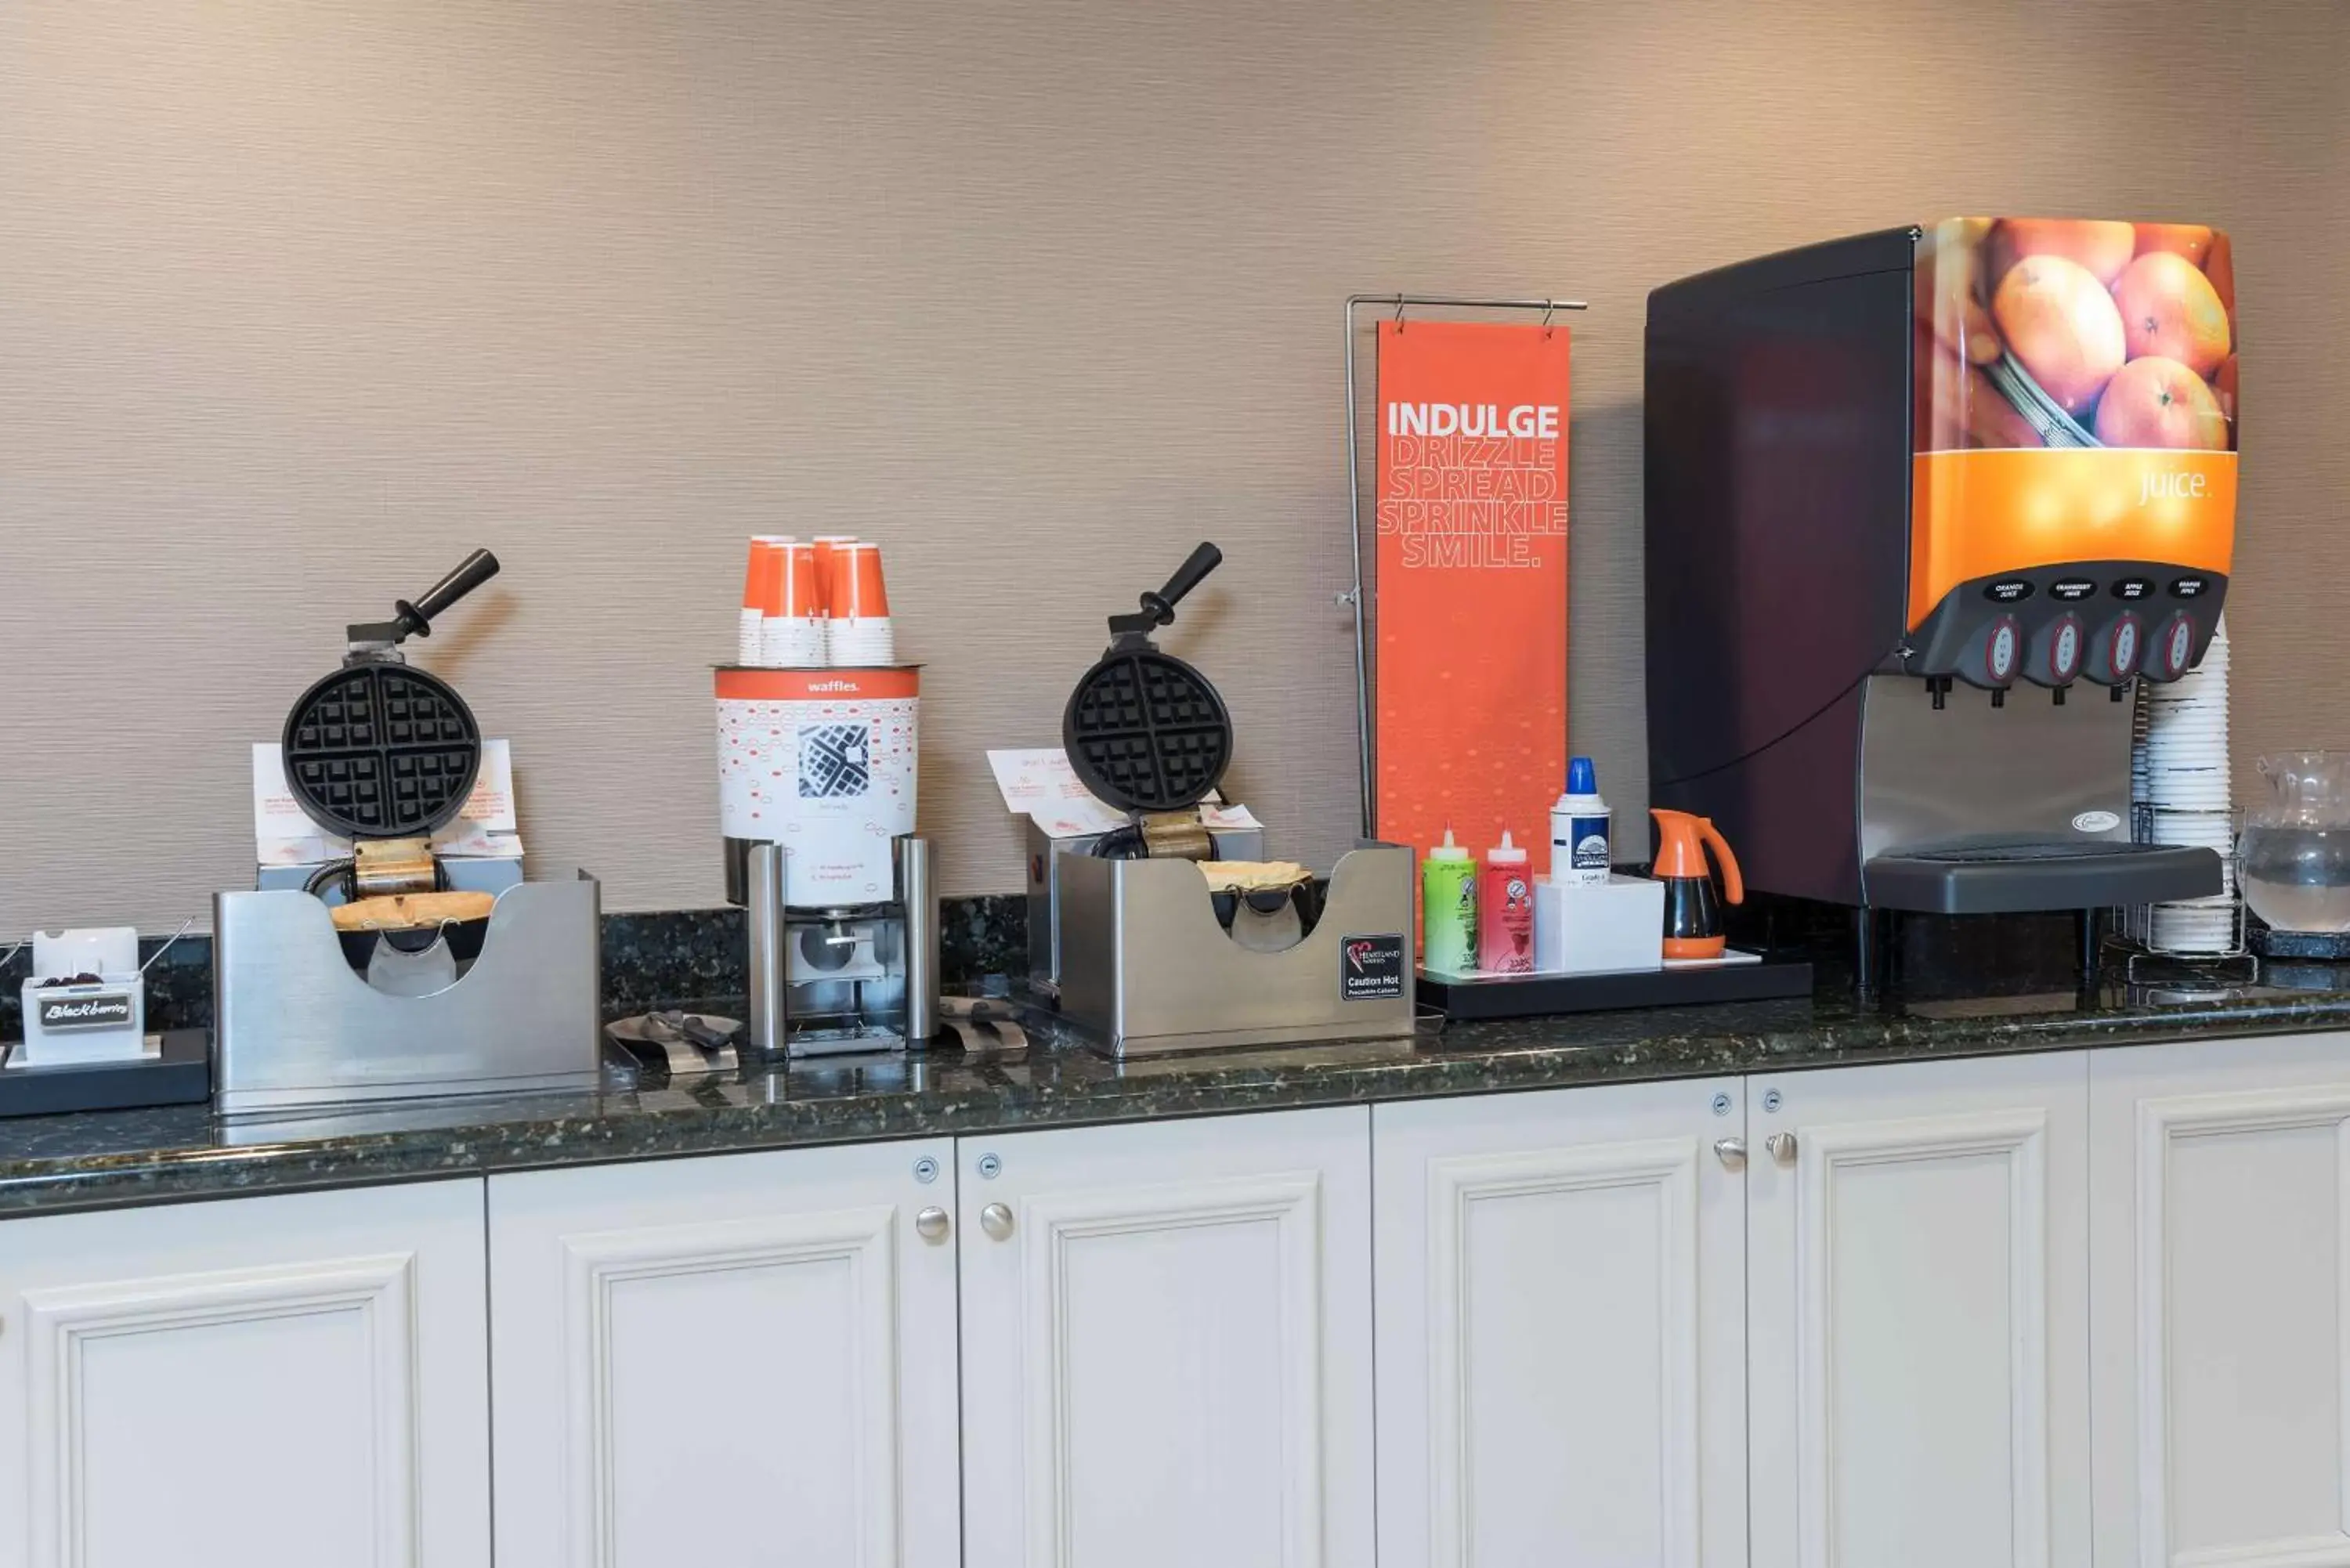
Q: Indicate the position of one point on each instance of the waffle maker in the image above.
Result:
(377, 981)
(385, 756)
(1162, 949)
(1146, 734)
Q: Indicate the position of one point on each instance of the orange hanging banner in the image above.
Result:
(1470, 610)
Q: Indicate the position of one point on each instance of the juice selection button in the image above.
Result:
(2176, 650)
(2134, 589)
(2122, 648)
(2008, 590)
(2064, 649)
(2000, 652)
(2189, 588)
(2073, 590)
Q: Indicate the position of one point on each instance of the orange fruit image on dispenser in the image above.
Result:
(2062, 326)
(2219, 267)
(2104, 426)
(2169, 307)
(2192, 240)
(2156, 402)
(2100, 248)
(1957, 406)
(1951, 295)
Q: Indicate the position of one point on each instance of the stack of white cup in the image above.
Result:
(2182, 762)
(750, 630)
(861, 643)
(812, 603)
(859, 632)
(790, 635)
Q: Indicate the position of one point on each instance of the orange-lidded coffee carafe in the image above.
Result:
(1693, 918)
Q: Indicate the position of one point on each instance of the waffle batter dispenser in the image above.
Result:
(1153, 957)
(436, 991)
(1922, 506)
(816, 778)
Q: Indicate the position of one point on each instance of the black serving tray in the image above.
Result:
(1463, 998)
(180, 1075)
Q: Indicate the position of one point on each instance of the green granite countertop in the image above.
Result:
(112, 1158)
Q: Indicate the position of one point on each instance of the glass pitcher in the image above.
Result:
(2294, 853)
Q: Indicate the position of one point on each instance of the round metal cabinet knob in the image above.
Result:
(996, 1220)
(1781, 1147)
(1732, 1150)
(932, 1224)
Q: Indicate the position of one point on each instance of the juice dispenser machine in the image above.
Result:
(1921, 506)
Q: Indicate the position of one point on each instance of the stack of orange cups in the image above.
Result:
(791, 627)
(749, 631)
(828, 546)
(859, 632)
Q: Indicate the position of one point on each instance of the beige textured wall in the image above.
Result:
(299, 299)
(2287, 618)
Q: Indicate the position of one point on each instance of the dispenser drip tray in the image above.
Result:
(2009, 878)
(2323, 947)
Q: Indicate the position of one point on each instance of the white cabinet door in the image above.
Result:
(2220, 1179)
(1918, 1315)
(1561, 1305)
(1167, 1345)
(744, 1359)
(296, 1381)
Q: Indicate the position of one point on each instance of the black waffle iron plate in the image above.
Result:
(381, 750)
(1144, 730)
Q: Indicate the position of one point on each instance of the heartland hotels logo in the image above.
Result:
(1373, 968)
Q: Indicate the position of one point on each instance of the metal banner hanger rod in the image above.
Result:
(1353, 597)
(1399, 301)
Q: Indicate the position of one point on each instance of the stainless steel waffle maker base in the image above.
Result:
(297, 1026)
(1046, 890)
(1146, 968)
(1149, 959)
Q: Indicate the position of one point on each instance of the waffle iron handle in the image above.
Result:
(1160, 606)
(416, 619)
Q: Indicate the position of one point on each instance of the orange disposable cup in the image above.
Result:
(754, 577)
(856, 591)
(793, 591)
(827, 550)
(754, 601)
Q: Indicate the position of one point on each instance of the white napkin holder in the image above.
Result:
(1596, 928)
(76, 1026)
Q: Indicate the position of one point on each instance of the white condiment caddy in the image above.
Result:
(74, 1025)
